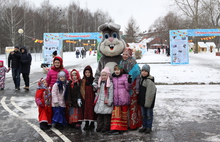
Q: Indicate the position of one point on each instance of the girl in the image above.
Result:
(74, 99)
(55, 69)
(58, 101)
(43, 101)
(121, 101)
(129, 64)
(3, 70)
(88, 96)
(104, 99)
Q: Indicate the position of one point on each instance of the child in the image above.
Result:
(43, 101)
(3, 70)
(122, 86)
(103, 102)
(88, 96)
(129, 64)
(146, 98)
(58, 101)
(74, 99)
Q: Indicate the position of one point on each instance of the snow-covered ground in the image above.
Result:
(194, 72)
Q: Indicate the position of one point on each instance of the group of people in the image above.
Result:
(81, 53)
(119, 101)
(19, 62)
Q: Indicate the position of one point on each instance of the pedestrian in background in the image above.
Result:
(74, 100)
(77, 53)
(13, 65)
(25, 66)
(58, 101)
(43, 101)
(103, 102)
(146, 98)
(3, 71)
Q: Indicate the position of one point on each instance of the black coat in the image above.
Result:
(14, 59)
(25, 61)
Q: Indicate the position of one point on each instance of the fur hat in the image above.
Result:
(146, 67)
(128, 51)
(106, 70)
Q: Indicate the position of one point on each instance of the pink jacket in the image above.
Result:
(121, 90)
(58, 97)
(52, 77)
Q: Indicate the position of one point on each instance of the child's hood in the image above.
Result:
(2, 63)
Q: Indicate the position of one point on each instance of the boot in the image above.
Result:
(86, 127)
(43, 126)
(91, 126)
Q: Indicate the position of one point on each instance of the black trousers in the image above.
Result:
(103, 121)
(26, 79)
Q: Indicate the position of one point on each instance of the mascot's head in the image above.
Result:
(111, 44)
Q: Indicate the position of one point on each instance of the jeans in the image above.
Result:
(16, 77)
(147, 114)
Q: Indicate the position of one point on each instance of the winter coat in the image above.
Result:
(14, 59)
(101, 107)
(3, 70)
(121, 90)
(52, 76)
(147, 92)
(25, 61)
(77, 52)
(73, 94)
(58, 97)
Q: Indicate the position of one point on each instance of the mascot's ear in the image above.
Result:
(112, 26)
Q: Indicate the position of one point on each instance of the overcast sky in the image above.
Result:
(145, 12)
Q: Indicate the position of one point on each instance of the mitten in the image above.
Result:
(56, 104)
(39, 103)
(129, 79)
(79, 102)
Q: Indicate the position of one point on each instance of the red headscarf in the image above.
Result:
(61, 63)
(77, 75)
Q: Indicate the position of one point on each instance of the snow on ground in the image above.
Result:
(162, 71)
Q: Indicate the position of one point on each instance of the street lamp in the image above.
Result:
(21, 31)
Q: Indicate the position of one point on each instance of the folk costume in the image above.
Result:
(88, 96)
(43, 101)
(131, 67)
(74, 96)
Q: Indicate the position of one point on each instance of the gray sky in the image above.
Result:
(145, 12)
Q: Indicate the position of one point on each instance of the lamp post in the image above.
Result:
(21, 31)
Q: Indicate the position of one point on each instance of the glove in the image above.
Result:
(79, 102)
(56, 104)
(129, 79)
(95, 86)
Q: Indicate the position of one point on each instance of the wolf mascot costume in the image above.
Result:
(110, 47)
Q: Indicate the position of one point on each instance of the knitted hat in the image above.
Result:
(16, 47)
(146, 68)
(128, 51)
(106, 70)
(61, 74)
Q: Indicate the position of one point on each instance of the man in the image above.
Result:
(13, 64)
(25, 66)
